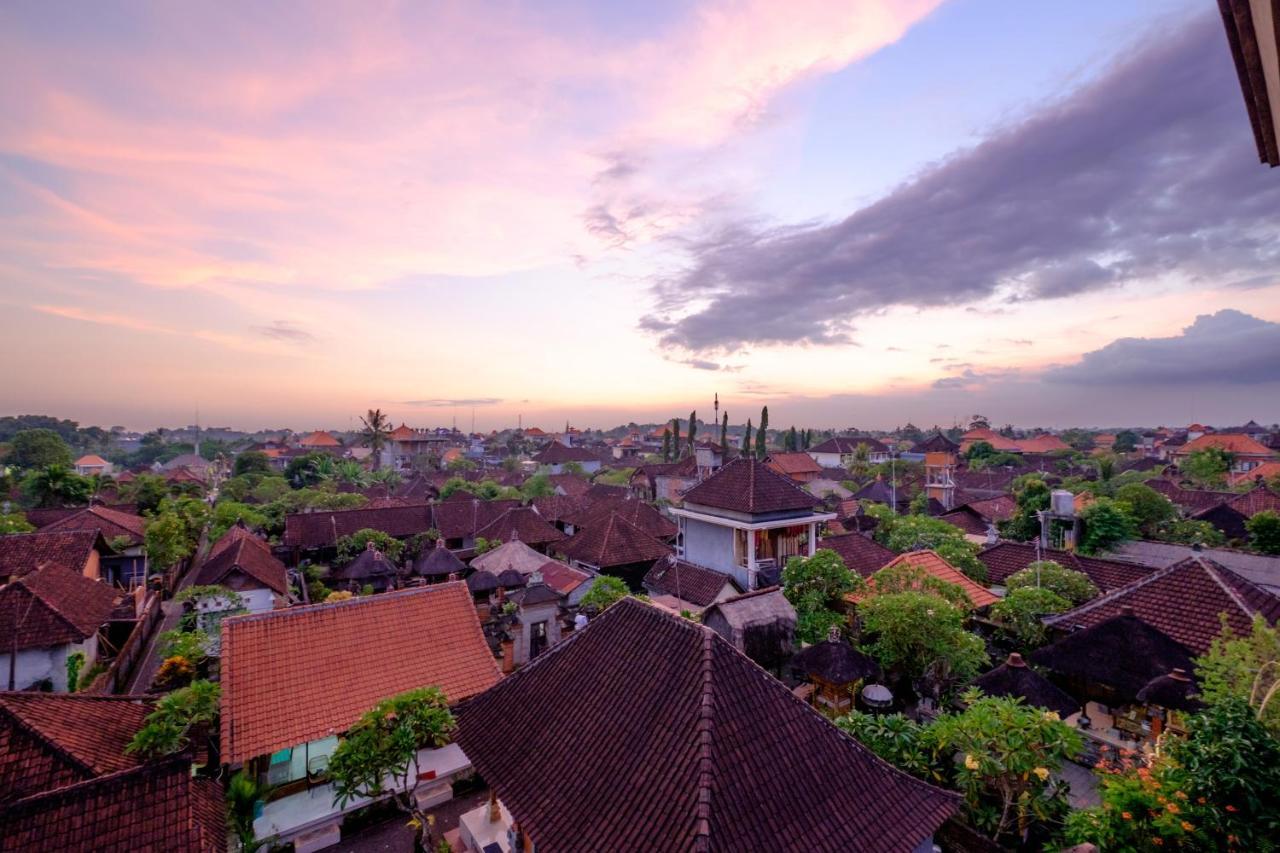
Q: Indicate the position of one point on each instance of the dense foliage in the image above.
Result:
(921, 637)
(1019, 615)
(1071, 585)
(1107, 523)
(901, 533)
(606, 590)
(1264, 532)
(816, 587)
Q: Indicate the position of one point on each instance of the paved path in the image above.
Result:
(393, 834)
(150, 665)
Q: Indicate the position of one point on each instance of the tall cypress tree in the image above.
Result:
(724, 435)
(675, 439)
(666, 445)
(746, 440)
(762, 434)
(793, 441)
(693, 429)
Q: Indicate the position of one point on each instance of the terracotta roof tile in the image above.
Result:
(861, 554)
(155, 806)
(934, 564)
(48, 740)
(522, 523)
(1185, 601)
(1230, 442)
(789, 464)
(556, 453)
(615, 542)
(746, 485)
(688, 582)
(716, 753)
(291, 676)
(110, 522)
(1007, 558)
(52, 607)
(23, 553)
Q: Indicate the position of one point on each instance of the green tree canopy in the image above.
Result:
(31, 449)
(1207, 467)
(816, 587)
(350, 547)
(1126, 441)
(606, 590)
(1107, 523)
(1148, 508)
(56, 485)
(384, 744)
(1264, 532)
(923, 638)
(1019, 614)
(1066, 583)
(902, 533)
(1244, 668)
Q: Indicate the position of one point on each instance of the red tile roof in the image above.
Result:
(572, 485)
(319, 438)
(1042, 444)
(745, 485)
(52, 607)
(1254, 501)
(715, 753)
(1185, 601)
(990, 436)
(250, 556)
(935, 565)
(688, 582)
(563, 579)
(790, 464)
(23, 553)
(323, 529)
(110, 522)
(1007, 558)
(861, 554)
(1240, 445)
(615, 542)
(292, 676)
(155, 806)
(48, 740)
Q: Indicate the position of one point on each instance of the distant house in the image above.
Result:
(294, 680)
(46, 616)
(841, 451)
(521, 524)
(978, 519)
(321, 441)
(1246, 454)
(242, 562)
(91, 465)
(555, 456)
(717, 755)
(78, 550)
(745, 521)
(1043, 443)
(126, 564)
(1007, 558)
(192, 462)
(800, 467)
(999, 442)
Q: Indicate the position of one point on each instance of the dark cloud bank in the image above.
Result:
(1146, 171)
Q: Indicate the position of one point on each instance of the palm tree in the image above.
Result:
(350, 471)
(375, 432)
(57, 485)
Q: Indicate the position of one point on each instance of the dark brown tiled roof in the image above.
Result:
(687, 582)
(521, 523)
(291, 676)
(849, 444)
(1015, 679)
(835, 661)
(1007, 558)
(462, 519)
(860, 553)
(323, 529)
(1122, 652)
(369, 564)
(110, 522)
(23, 553)
(48, 740)
(746, 485)
(556, 453)
(249, 555)
(52, 607)
(1185, 601)
(705, 751)
(573, 485)
(556, 507)
(936, 443)
(1255, 501)
(615, 542)
(152, 807)
(639, 513)
(792, 463)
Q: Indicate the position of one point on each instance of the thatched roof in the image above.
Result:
(1123, 653)
(482, 581)
(371, 563)
(511, 579)
(762, 624)
(835, 661)
(512, 554)
(1173, 690)
(438, 562)
(1015, 678)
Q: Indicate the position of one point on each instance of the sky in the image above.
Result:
(858, 213)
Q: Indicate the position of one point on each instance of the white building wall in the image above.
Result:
(711, 545)
(826, 460)
(35, 665)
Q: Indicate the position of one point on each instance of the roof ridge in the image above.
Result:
(357, 601)
(1211, 568)
(1108, 597)
(703, 728)
(48, 605)
(48, 740)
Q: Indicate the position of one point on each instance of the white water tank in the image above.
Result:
(1062, 502)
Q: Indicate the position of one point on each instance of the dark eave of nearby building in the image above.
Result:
(1244, 39)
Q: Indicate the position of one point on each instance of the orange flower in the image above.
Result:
(1230, 808)
(1173, 808)
(1126, 815)
(1157, 841)
(1202, 801)
(1187, 826)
